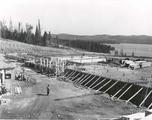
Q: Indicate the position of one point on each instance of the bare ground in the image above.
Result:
(65, 102)
(11, 46)
(140, 76)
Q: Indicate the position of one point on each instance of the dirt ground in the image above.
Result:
(65, 102)
(140, 76)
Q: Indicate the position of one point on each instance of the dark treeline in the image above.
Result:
(26, 35)
(91, 46)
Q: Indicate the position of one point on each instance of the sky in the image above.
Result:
(82, 17)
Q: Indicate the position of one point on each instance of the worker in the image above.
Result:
(48, 89)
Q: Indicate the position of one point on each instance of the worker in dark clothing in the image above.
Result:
(48, 89)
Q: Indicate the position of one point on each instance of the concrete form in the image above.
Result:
(58, 64)
(126, 91)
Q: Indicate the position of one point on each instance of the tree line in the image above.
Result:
(26, 35)
(92, 46)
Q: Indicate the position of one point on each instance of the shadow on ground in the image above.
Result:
(41, 94)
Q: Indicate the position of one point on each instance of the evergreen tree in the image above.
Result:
(49, 38)
(19, 27)
(29, 33)
(38, 39)
(3, 29)
(45, 38)
(39, 27)
(10, 29)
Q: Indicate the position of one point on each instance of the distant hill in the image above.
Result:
(138, 39)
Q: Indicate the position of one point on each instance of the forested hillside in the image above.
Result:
(26, 35)
(138, 39)
(92, 46)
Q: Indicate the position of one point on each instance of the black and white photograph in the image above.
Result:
(76, 59)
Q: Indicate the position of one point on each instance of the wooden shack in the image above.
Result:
(7, 74)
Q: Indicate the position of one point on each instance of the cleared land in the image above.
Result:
(10, 46)
(65, 102)
(140, 76)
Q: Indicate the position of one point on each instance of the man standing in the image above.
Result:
(48, 89)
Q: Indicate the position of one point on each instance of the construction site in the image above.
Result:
(83, 85)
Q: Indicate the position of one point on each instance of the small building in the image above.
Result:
(7, 74)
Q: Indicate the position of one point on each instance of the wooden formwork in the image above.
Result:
(45, 65)
(129, 92)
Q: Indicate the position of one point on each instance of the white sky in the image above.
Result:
(82, 16)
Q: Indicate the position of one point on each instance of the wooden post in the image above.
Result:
(89, 81)
(134, 95)
(78, 79)
(125, 91)
(50, 63)
(41, 62)
(145, 99)
(149, 106)
(66, 73)
(75, 77)
(103, 85)
(83, 78)
(111, 86)
(3, 77)
(94, 82)
(119, 90)
(99, 83)
(71, 75)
